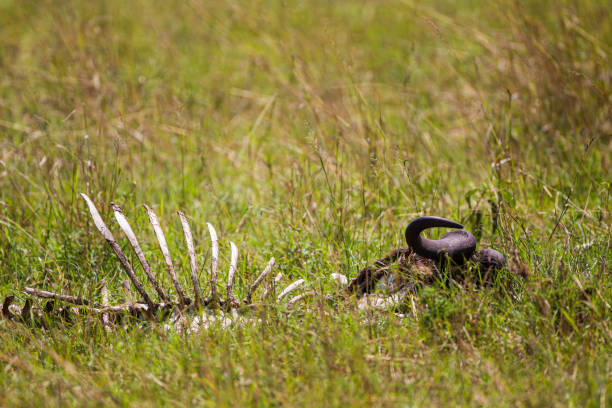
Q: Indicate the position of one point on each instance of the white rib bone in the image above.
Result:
(105, 317)
(129, 234)
(163, 246)
(290, 288)
(192, 258)
(299, 297)
(260, 278)
(64, 298)
(214, 262)
(232, 272)
(101, 226)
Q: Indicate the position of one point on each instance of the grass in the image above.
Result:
(312, 132)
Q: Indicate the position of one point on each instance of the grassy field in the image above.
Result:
(313, 132)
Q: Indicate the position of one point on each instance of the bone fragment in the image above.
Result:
(105, 317)
(299, 297)
(290, 289)
(339, 278)
(260, 278)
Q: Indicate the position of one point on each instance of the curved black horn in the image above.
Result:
(458, 245)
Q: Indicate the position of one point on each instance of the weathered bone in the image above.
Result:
(129, 233)
(293, 286)
(64, 298)
(105, 304)
(260, 278)
(299, 297)
(214, 263)
(163, 246)
(50, 306)
(101, 226)
(231, 273)
(192, 259)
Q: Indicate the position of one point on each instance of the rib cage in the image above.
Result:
(148, 309)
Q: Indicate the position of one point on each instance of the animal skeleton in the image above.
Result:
(423, 257)
(149, 309)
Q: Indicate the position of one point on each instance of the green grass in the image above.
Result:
(313, 132)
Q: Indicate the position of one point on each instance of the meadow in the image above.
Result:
(312, 132)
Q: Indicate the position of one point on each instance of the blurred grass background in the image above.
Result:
(313, 132)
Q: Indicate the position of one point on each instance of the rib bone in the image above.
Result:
(64, 298)
(113, 244)
(129, 233)
(163, 246)
(299, 297)
(290, 288)
(193, 263)
(105, 317)
(214, 263)
(231, 273)
(260, 278)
